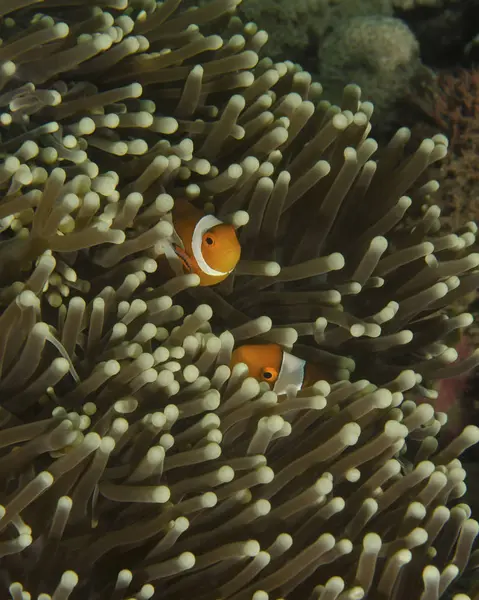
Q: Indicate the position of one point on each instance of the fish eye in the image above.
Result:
(269, 375)
(209, 239)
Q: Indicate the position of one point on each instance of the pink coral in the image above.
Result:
(454, 107)
(451, 391)
(451, 104)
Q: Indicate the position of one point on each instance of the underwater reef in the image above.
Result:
(342, 42)
(143, 144)
(386, 47)
(450, 104)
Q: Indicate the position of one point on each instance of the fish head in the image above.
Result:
(263, 361)
(210, 249)
(221, 251)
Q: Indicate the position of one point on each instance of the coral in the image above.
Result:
(412, 4)
(442, 28)
(451, 391)
(296, 28)
(343, 41)
(451, 105)
(472, 45)
(346, 9)
(134, 462)
(291, 25)
(378, 53)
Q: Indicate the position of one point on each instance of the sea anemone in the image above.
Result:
(135, 463)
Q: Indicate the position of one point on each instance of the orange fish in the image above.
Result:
(202, 244)
(270, 363)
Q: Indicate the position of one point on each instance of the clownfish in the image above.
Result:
(278, 368)
(202, 244)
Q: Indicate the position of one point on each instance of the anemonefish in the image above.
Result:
(278, 368)
(202, 244)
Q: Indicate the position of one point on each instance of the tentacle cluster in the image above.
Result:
(192, 476)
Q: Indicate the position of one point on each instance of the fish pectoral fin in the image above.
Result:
(173, 259)
(176, 240)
